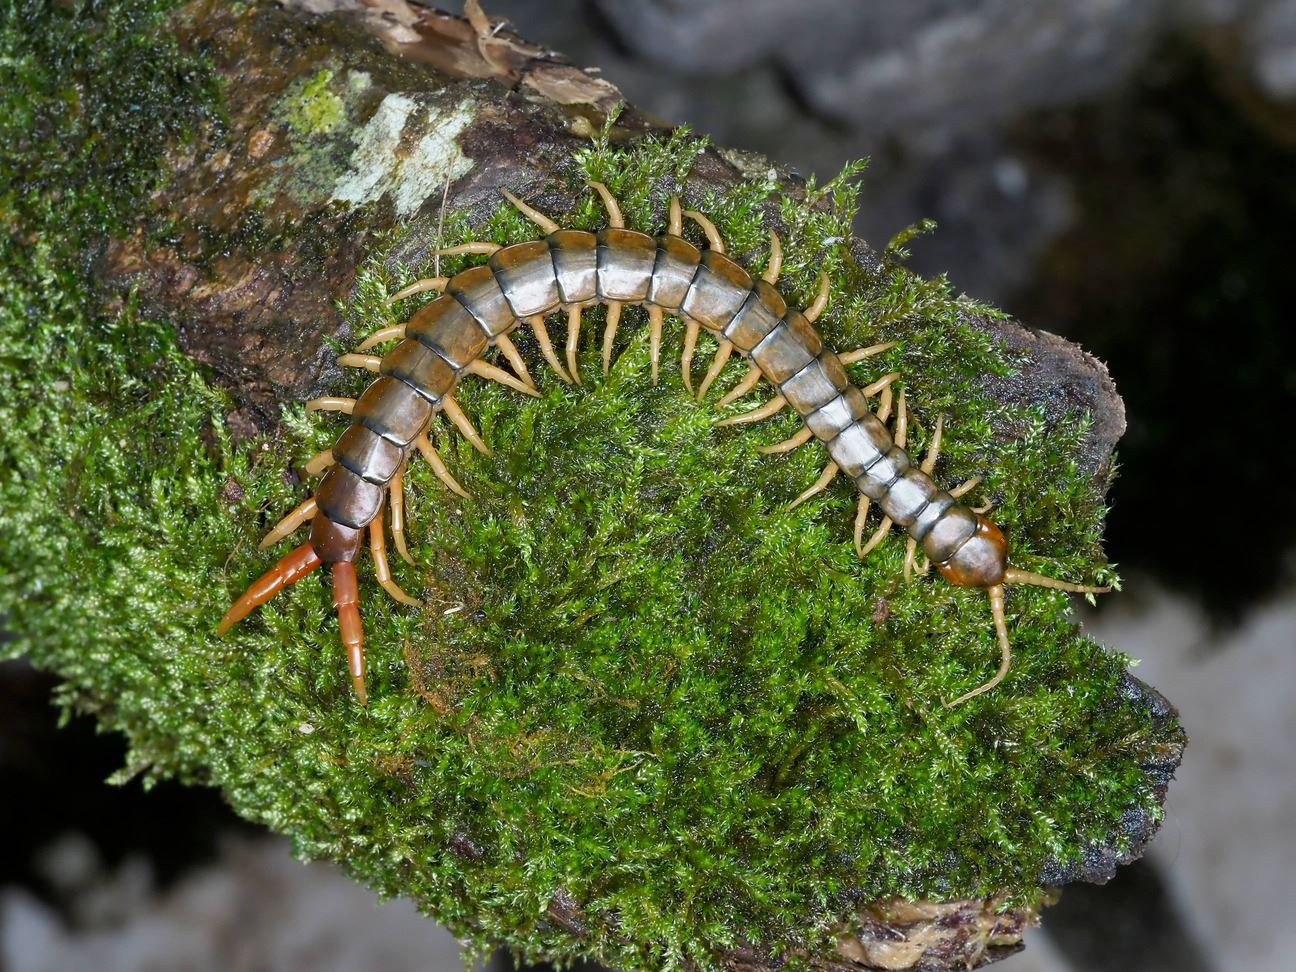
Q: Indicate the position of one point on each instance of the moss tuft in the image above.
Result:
(312, 108)
(639, 680)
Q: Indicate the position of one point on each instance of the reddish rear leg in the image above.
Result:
(290, 570)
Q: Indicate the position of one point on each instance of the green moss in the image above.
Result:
(312, 108)
(639, 679)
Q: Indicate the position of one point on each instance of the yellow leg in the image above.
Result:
(426, 449)
(708, 228)
(821, 299)
(859, 354)
(775, 265)
(721, 359)
(319, 462)
(368, 362)
(491, 373)
(901, 432)
(868, 391)
(911, 554)
(378, 547)
(461, 422)
(537, 217)
(819, 486)
(510, 352)
(289, 523)
(686, 356)
(418, 287)
(882, 530)
(1005, 651)
(933, 450)
(609, 333)
(615, 219)
(654, 338)
(787, 445)
(344, 405)
(749, 381)
(861, 517)
(675, 226)
(546, 347)
(573, 341)
(396, 490)
(966, 486)
(381, 335)
(480, 247)
(772, 407)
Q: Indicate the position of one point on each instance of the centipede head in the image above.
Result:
(982, 560)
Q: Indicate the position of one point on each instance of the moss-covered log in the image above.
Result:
(648, 715)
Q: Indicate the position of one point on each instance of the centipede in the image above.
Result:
(862, 429)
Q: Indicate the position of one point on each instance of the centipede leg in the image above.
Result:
(609, 333)
(1005, 650)
(483, 369)
(749, 381)
(368, 362)
(861, 518)
(546, 347)
(882, 530)
(820, 484)
(396, 491)
(382, 569)
(287, 571)
(927, 466)
(859, 354)
(537, 217)
(346, 599)
(289, 523)
(464, 424)
(966, 486)
(381, 335)
(329, 404)
(615, 218)
(655, 316)
(433, 458)
(573, 341)
(787, 445)
(821, 300)
(721, 359)
(775, 265)
(418, 287)
(511, 354)
(319, 462)
(761, 412)
(691, 328)
(881, 385)
(714, 240)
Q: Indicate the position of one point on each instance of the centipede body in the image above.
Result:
(565, 272)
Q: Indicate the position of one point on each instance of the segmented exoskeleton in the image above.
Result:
(568, 271)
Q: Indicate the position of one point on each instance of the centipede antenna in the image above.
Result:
(346, 599)
(760, 413)
(546, 347)
(287, 571)
(771, 274)
(691, 328)
(749, 381)
(714, 239)
(537, 217)
(615, 219)
(464, 424)
(676, 225)
(418, 287)
(861, 518)
(819, 486)
(609, 333)
(788, 444)
(573, 341)
(368, 362)
(511, 354)
(721, 359)
(1005, 650)
(483, 369)
(319, 462)
(382, 570)
(289, 523)
(381, 335)
(859, 354)
(396, 493)
(655, 316)
(433, 458)
(821, 299)
(344, 405)
(1014, 576)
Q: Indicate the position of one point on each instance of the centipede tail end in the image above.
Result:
(289, 570)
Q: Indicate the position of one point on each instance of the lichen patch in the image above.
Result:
(385, 161)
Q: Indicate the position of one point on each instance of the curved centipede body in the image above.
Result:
(567, 271)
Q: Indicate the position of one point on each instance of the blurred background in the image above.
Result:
(1120, 173)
